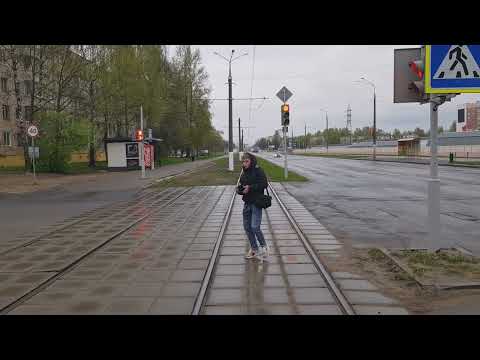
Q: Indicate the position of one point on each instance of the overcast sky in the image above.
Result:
(320, 76)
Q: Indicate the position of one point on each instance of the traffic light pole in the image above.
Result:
(142, 157)
(240, 145)
(285, 147)
(433, 182)
(374, 124)
(230, 124)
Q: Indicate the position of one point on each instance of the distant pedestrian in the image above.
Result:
(253, 182)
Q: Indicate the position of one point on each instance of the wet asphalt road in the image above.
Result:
(384, 204)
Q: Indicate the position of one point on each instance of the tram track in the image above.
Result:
(175, 195)
(337, 294)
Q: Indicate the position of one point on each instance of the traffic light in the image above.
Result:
(285, 110)
(139, 135)
(417, 67)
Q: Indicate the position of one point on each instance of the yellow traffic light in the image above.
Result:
(285, 108)
(139, 135)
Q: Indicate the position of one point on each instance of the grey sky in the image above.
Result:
(319, 76)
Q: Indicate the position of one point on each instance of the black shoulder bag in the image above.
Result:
(264, 201)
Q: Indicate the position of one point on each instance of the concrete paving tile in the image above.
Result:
(230, 270)
(296, 259)
(34, 310)
(13, 290)
(152, 276)
(272, 296)
(321, 247)
(271, 310)
(379, 310)
(85, 306)
(172, 306)
(280, 236)
(193, 264)
(138, 305)
(319, 310)
(239, 243)
(350, 284)
(188, 275)
(274, 281)
(232, 250)
(201, 247)
(367, 298)
(181, 289)
(345, 275)
(292, 250)
(198, 255)
(51, 297)
(224, 310)
(306, 280)
(313, 296)
(300, 269)
(225, 296)
(229, 281)
(231, 260)
(288, 243)
(143, 290)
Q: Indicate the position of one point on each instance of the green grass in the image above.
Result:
(11, 169)
(275, 172)
(218, 174)
(473, 163)
(83, 168)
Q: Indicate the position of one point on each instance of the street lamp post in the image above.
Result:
(230, 124)
(374, 134)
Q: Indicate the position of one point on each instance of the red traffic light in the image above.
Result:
(417, 67)
(139, 135)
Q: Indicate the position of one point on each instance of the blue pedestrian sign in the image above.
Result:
(452, 69)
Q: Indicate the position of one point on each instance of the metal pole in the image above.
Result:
(305, 138)
(142, 159)
(240, 151)
(433, 184)
(230, 124)
(34, 174)
(243, 145)
(285, 147)
(374, 125)
(326, 137)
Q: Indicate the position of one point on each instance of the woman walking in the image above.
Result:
(252, 184)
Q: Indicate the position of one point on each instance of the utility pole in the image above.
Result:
(243, 145)
(349, 122)
(142, 159)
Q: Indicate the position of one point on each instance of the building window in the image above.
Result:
(27, 62)
(18, 113)
(28, 87)
(7, 138)
(17, 88)
(461, 115)
(4, 85)
(6, 112)
(28, 113)
(3, 57)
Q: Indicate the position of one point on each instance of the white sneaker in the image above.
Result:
(265, 251)
(251, 254)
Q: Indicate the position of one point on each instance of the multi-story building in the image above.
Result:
(10, 113)
(468, 117)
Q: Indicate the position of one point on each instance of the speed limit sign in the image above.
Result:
(32, 131)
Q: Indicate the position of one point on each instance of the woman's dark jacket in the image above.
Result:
(255, 177)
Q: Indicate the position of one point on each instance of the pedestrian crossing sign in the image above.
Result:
(452, 69)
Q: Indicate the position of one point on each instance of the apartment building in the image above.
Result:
(10, 113)
(468, 117)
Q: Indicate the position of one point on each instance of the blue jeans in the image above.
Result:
(252, 219)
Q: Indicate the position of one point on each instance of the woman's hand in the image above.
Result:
(247, 189)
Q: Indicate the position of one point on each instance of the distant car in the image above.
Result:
(277, 155)
(255, 150)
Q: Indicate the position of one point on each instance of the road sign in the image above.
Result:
(452, 69)
(31, 152)
(284, 94)
(32, 131)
